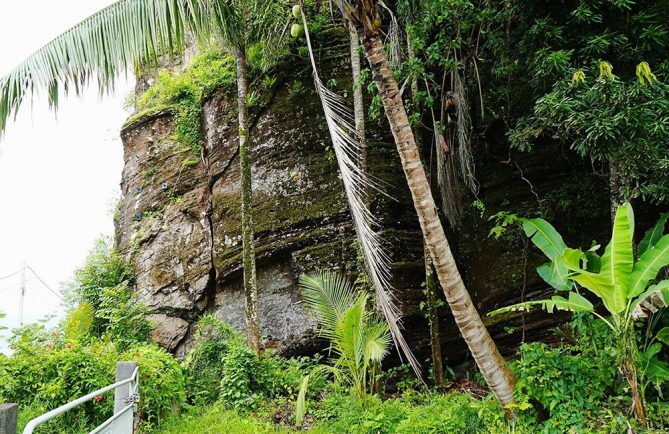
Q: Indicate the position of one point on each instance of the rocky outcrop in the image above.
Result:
(179, 220)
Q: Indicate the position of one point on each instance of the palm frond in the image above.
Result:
(349, 334)
(377, 341)
(326, 297)
(393, 39)
(463, 132)
(121, 36)
(129, 34)
(347, 149)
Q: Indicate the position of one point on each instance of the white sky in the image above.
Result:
(58, 177)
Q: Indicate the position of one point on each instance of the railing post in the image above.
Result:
(125, 370)
(8, 415)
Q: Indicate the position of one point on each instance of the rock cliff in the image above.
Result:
(179, 217)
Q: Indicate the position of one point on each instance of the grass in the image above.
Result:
(217, 420)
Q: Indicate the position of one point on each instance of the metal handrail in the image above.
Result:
(70, 405)
(112, 419)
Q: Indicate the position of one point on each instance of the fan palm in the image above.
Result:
(134, 32)
(359, 339)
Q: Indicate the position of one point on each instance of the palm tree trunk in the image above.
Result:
(431, 288)
(431, 283)
(358, 104)
(248, 250)
(493, 367)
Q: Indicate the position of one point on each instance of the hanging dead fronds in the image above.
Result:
(463, 128)
(393, 39)
(357, 184)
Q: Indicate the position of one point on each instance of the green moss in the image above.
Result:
(190, 162)
(149, 175)
(145, 114)
(183, 94)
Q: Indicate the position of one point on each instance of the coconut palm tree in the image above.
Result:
(242, 23)
(132, 32)
(129, 33)
(364, 14)
(358, 104)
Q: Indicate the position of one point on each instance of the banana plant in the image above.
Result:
(626, 286)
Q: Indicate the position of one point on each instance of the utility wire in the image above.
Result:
(48, 300)
(46, 295)
(10, 275)
(60, 297)
(7, 288)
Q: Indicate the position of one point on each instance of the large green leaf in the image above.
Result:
(545, 237)
(653, 368)
(653, 235)
(647, 267)
(555, 274)
(663, 335)
(598, 283)
(618, 258)
(575, 303)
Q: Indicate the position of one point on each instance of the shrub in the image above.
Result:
(103, 268)
(124, 315)
(570, 385)
(451, 413)
(347, 414)
(184, 93)
(281, 377)
(46, 377)
(203, 367)
(161, 382)
(239, 386)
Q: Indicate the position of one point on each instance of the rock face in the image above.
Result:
(179, 220)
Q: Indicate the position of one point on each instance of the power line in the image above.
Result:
(7, 288)
(46, 295)
(60, 297)
(13, 274)
(48, 300)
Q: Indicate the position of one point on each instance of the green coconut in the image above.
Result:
(296, 30)
(297, 11)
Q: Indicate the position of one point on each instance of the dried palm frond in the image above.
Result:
(463, 133)
(393, 39)
(357, 184)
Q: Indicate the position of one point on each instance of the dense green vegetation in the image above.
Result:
(587, 78)
(222, 386)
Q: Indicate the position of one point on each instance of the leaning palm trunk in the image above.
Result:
(490, 362)
(248, 250)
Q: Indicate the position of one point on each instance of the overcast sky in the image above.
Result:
(58, 176)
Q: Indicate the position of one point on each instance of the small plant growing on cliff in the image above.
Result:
(359, 339)
(295, 89)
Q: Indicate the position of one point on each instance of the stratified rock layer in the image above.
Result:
(179, 223)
